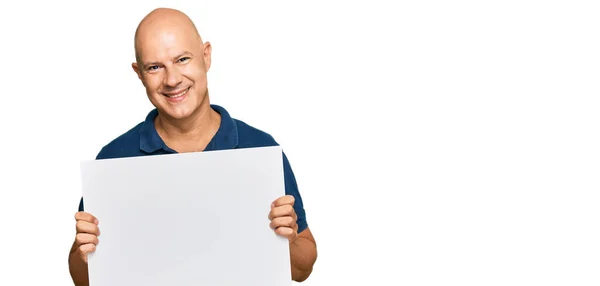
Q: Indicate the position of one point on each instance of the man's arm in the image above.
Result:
(303, 254)
(85, 242)
(303, 249)
(290, 221)
(78, 268)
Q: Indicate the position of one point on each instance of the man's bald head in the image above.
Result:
(162, 20)
(172, 63)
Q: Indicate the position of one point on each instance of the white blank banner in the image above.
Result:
(187, 219)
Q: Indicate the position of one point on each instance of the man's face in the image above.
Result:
(172, 65)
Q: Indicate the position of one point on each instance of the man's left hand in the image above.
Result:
(283, 217)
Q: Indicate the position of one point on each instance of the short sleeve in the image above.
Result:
(81, 205)
(291, 188)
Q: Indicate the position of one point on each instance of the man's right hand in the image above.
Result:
(86, 238)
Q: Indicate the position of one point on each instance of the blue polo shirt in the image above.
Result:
(143, 140)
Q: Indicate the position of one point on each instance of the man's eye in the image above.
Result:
(183, 59)
(152, 67)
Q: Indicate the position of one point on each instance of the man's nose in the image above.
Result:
(173, 77)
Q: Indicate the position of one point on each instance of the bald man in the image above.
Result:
(172, 62)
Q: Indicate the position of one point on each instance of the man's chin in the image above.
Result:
(177, 111)
(173, 112)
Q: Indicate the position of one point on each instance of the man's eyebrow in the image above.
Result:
(185, 53)
(151, 64)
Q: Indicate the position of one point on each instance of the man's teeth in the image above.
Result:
(177, 95)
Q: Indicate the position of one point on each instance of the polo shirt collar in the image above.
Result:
(150, 141)
(226, 137)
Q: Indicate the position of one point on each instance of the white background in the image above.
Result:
(434, 142)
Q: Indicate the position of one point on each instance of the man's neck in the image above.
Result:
(191, 134)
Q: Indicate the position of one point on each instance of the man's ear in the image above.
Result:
(207, 48)
(136, 69)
